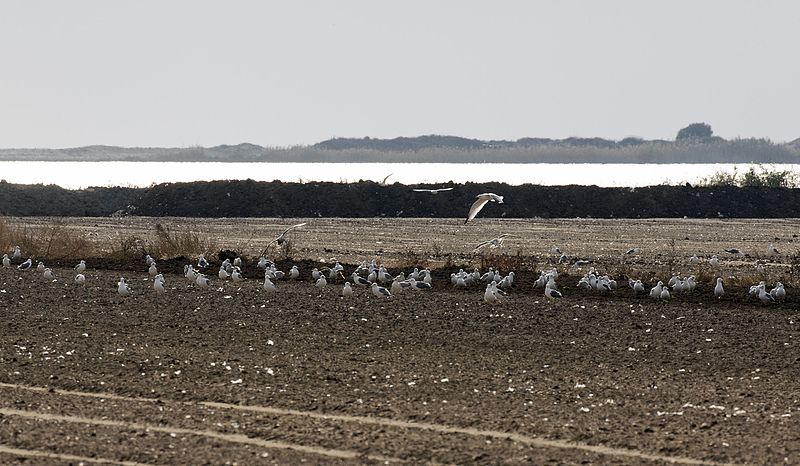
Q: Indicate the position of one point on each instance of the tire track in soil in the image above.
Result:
(341, 454)
(4, 449)
(232, 438)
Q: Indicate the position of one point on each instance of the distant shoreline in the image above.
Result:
(442, 149)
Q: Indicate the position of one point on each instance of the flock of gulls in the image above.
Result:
(382, 284)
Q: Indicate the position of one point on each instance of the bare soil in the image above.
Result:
(231, 374)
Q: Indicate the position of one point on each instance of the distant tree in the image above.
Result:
(695, 131)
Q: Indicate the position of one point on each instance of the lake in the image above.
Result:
(76, 175)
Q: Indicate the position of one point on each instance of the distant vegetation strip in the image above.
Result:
(446, 149)
(248, 198)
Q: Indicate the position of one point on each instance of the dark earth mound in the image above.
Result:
(250, 198)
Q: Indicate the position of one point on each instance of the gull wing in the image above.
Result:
(476, 207)
(485, 243)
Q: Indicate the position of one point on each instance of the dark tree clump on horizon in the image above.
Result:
(695, 131)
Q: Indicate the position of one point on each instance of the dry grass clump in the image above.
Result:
(52, 241)
(168, 243)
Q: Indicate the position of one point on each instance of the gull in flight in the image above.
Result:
(481, 201)
(432, 191)
(493, 243)
(282, 237)
(383, 183)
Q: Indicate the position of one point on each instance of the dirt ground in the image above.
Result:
(231, 374)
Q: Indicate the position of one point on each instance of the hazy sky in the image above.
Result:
(179, 73)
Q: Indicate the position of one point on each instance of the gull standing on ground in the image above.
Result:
(294, 272)
(202, 262)
(347, 290)
(122, 287)
(481, 201)
(321, 282)
(40, 267)
(81, 267)
(432, 191)
(714, 261)
(6, 261)
(158, 283)
(152, 270)
(25, 265)
(772, 250)
(493, 243)
(48, 273)
(719, 290)
(380, 292)
(268, 286)
(80, 278)
(550, 292)
(17, 253)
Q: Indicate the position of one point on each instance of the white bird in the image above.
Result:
(719, 290)
(223, 274)
(25, 265)
(380, 292)
(397, 287)
(321, 282)
(419, 286)
(432, 191)
(237, 261)
(189, 272)
(40, 267)
(282, 237)
(763, 295)
(158, 284)
(48, 273)
(714, 261)
(638, 287)
(481, 201)
(551, 293)
(294, 272)
(383, 183)
(262, 263)
(149, 260)
(488, 295)
(17, 253)
(632, 251)
(122, 287)
(6, 261)
(202, 281)
(779, 292)
(81, 267)
(236, 275)
(665, 293)
(655, 292)
(773, 251)
(152, 270)
(269, 286)
(347, 290)
(493, 243)
(202, 262)
(694, 259)
(80, 278)
(359, 280)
